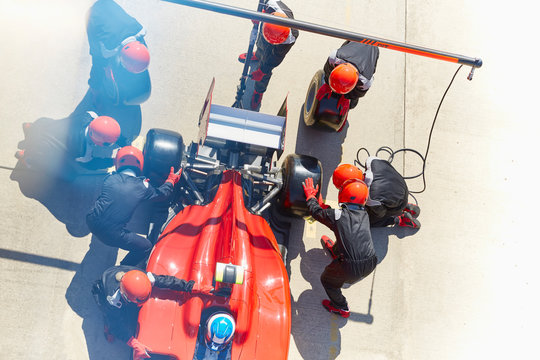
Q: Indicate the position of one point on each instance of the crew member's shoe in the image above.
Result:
(413, 209)
(25, 127)
(242, 57)
(327, 304)
(256, 100)
(407, 220)
(19, 154)
(328, 245)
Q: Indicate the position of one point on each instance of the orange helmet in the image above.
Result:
(129, 156)
(343, 78)
(353, 191)
(135, 286)
(275, 34)
(345, 172)
(135, 57)
(104, 131)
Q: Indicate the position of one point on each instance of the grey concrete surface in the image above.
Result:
(465, 286)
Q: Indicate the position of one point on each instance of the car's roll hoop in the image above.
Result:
(229, 273)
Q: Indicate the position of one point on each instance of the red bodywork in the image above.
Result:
(198, 237)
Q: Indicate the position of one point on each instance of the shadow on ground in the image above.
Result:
(79, 297)
(68, 202)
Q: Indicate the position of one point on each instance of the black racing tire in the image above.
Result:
(323, 114)
(291, 200)
(162, 149)
(311, 103)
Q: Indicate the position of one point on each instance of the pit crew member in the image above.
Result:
(62, 147)
(348, 71)
(120, 293)
(273, 44)
(353, 253)
(120, 59)
(387, 203)
(121, 193)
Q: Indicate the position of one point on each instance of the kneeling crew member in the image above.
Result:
(387, 203)
(121, 193)
(348, 71)
(353, 253)
(120, 293)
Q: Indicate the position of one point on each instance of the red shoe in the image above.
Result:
(328, 245)
(25, 127)
(407, 220)
(413, 209)
(242, 57)
(327, 304)
(256, 100)
(19, 154)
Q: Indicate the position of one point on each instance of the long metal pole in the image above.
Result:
(328, 31)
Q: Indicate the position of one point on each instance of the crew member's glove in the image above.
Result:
(321, 202)
(343, 105)
(309, 190)
(140, 351)
(174, 178)
(257, 75)
(324, 90)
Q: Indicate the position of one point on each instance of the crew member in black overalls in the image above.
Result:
(63, 148)
(273, 44)
(121, 193)
(349, 71)
(353, 253)
(120, 293)
(388, 196)
(119, 80)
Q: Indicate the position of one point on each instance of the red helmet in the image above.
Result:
(135, 286)
(104, 131)
(275, 34)
(353, 191)
(343, 78)
(129, 156)
(345, 172)
(135, 57)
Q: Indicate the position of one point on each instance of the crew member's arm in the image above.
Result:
(171, 282)
(325, 216)
(165, 190)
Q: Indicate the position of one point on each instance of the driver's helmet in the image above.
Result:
(220, 328)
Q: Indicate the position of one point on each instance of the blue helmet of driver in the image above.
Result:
(220, 329)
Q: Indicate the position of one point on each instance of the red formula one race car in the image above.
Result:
(217, 236)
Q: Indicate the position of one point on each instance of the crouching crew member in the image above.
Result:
(119, 80)
(121, 193)
(272, 46)
(348, 71)
(353, 254)
(387, 203)
(62, 147)
(120, 293)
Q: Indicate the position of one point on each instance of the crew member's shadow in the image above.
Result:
(315, 331)
(79, 297)
(67, 201)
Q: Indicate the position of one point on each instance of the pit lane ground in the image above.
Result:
(463, 287)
